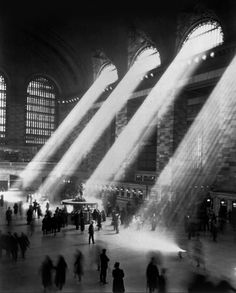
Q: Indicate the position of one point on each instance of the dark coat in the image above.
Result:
(118, 283)
(152, 275)
(60, 277)
(46, 273)
(104, 261)
(91, 229)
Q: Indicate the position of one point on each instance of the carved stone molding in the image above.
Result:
(187, 21)
(138, 41)
(99, 58)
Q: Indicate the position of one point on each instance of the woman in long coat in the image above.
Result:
(46, 273)
(152, 274)
(60, 277)
(118, 283)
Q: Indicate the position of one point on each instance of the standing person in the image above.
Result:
(9, 216)
(81, 221)
(76, 220)
(60, 277)
(91, 232)
(15, 208)
(152, 275)
(79, 265)
(104, 265)
(214, 230)
(118, 283)
(46, 273)
(99, 221)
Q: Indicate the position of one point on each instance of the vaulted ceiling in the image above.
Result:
(59, 39)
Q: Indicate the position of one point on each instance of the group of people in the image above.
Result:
(11, 242)
(48, 270)
(52, 223)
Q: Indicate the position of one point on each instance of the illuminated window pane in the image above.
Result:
(2, 108)
(109, 72)
(40, 116)
(204, 36)
(149, 55)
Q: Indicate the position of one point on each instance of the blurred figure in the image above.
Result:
(46, 273)
(152, 275)
(24, 243)
(162, 282)
(198, 254)
(60, 277)
(81, 221)
(224, 287)
(200, 283)
(15, 208)
(32, 227)
(79, 265)
(9, 216)
(154, 222)
(104, 265)
(118, 283)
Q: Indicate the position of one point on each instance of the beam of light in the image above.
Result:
(98, 124)
(146, 241)
(156, 104)
(32, 171)
(215, 124)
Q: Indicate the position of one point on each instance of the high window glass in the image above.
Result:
(109, 72)
(2, 109)
(148, 55)
(204, 36)
(41, 111)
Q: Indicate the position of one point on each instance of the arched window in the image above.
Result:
(202, 37)
(41, 111)
(2, 108)
(148, 54)
(109, 72)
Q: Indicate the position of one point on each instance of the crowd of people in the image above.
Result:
(55, 275)
(12, 242)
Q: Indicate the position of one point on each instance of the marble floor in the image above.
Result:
(24, 276)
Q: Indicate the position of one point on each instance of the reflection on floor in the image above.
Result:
(24, 276)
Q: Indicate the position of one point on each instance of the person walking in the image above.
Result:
(78, 265)
(46, 273)
(162, 281)
(91, 232)
(60, 277)
(24, 243)
(104, 265)
(198, 253)
(152, 275)
(118, 276)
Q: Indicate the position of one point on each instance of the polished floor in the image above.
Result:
(24, 276)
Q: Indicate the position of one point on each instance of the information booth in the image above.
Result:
(73, 206)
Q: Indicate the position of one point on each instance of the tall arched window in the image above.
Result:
(41, 111)
(2, 108)
(202, 37)
(148, 54)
